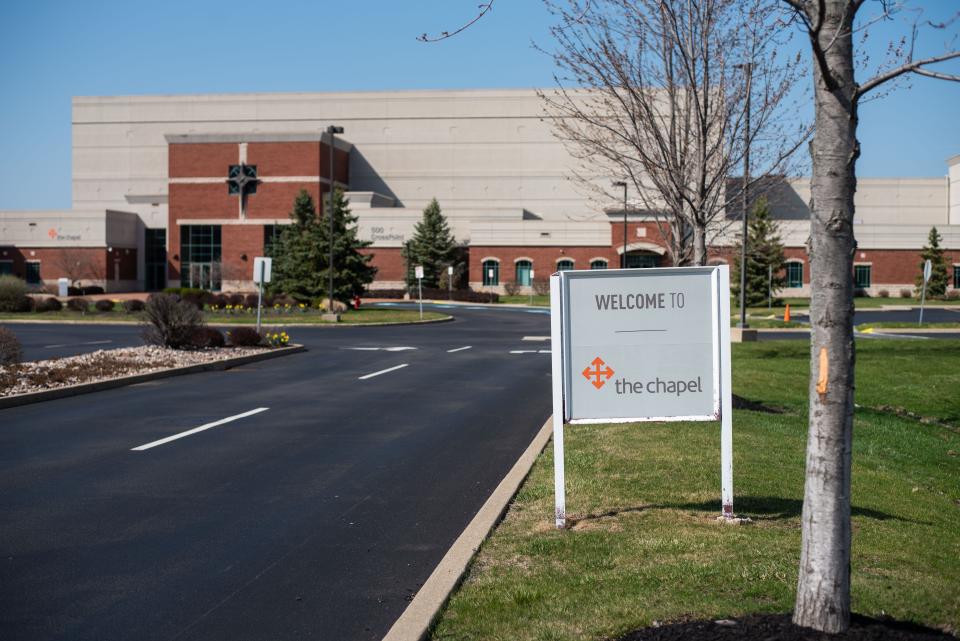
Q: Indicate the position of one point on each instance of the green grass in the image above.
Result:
(643, 498)
(538, 300)
(914, 325)
(363, 316)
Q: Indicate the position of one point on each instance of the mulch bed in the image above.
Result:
(778, 627)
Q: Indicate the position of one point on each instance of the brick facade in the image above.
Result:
(112, 268)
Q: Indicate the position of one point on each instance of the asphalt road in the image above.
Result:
(318, 518)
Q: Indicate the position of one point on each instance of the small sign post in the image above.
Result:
(419, 273)
(450, 282)
(531, 286)
(631, 345)
(927, 270)
(262, 267)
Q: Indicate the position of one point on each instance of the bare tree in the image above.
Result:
(671, 95)
(823, 589)
(77, 264)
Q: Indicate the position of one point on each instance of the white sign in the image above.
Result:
(418, 270)
(490, 274)
(261, 269)
(927, 270)
(450, 270)
(634, 345)
(63, 287)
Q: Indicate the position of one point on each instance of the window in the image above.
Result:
(491, 273)
(598, 264)
(564, 265)
(270, 235)
(956, 276)
(861, 276)
(523, 272)
(33, 272)
(200, 256)
(794, 274)
(155, 261)
(6, 267)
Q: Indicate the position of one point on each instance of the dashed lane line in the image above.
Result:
(222, 421)
(459, 349)
(383, 371)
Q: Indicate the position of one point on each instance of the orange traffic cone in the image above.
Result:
(786, 314)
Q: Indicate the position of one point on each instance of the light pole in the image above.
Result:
(748, 70)
(332, 130)
(623, 258)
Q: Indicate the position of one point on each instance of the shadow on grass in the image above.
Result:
(758, 508)
(741, 403)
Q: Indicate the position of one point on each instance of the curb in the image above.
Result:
(226, 325)
(122, 381)
(911, 330)
(418, 618)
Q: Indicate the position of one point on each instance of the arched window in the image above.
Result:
(491, 273)
(523, 272)
(564, 265)
(598, 263)
(794, 274)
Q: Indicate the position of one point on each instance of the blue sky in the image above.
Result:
(52, 50)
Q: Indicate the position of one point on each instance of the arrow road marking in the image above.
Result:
(198, 429)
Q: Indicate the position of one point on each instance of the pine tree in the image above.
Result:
(764, 250)
(352, 271)
(937, 285)
(296, 253)
(432, 246)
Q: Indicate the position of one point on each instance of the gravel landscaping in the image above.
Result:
(105, 364)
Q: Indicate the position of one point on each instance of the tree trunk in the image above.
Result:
(699, 245)
(823, 588)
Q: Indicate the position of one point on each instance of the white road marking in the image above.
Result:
(383, 371)
(523, 351)
(198, 429)
(97, 342)
(543, 351)
(379, 349)
(459, 349)
(541, 339)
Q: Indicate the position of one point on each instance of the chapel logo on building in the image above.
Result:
(597, 375)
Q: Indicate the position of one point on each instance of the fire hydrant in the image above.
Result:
(356, 302)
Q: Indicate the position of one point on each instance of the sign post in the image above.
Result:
(927, 270)
(531, 287)
(261, 274)
(641, 345)
(419, 273)
(450, 282)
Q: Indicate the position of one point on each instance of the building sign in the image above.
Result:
(55, 235)
(632, 345)
(384, 235)
(640, 344)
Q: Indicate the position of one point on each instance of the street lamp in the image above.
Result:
(748, 70)
(332, 130)
(623, 258)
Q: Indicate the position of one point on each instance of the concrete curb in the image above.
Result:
(226, 325)
(121, 381)
(912, 330)
(418, 618)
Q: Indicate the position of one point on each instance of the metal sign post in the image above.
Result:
(419, 273)
(531, 287)
(927, 270)
(641, 345)
(450, 282)
(261, 274)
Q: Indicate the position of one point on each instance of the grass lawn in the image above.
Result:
(908, 325)
(538, 301)
(362, 315)
(643, 499)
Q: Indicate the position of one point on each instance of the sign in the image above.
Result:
(927, 270)
(450, 270)
(418, 270)
(632, 345)
(262, 266)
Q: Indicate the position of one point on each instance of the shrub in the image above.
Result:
(49, 305)
(134, 305)
(906, 293)
(883, 293)
(219, 300)
(250, 300)
(386, 293)
(860, 292)
(541, 287)
(192, 298)
(172, 290)
(512, 289)
(207, 337)
(10, 350)
(953, 294)
(171, 322)
(12, 291)
(104, 305)
(91, 290)
(244, 337)
(235, 299)
(73, 291)
(78, 304)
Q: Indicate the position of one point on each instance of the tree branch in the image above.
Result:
(484, 9)
(909, 67)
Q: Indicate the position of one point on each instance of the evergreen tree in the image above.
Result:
(432, 246)
(301, 253)
(937, 285)
(297, 253)
(352, 271)
(764, 250)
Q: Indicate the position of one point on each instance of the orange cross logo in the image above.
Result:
(598, 376)
(52, 233)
